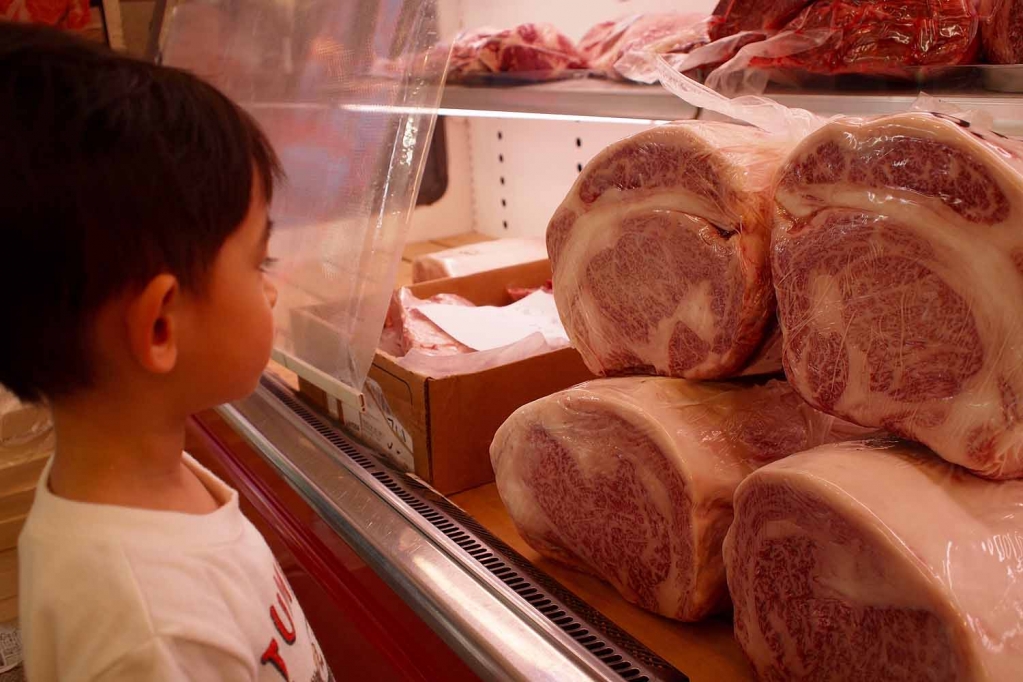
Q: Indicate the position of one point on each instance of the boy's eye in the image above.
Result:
(268, 263)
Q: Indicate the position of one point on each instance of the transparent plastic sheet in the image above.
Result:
(608, 42)
(631, 479)
(660, 250)
(917, 564)
(892, 38)
(530, 52)
(637, 65)
(898, 268)
(474, 258)
(352, 141)
(789, 124)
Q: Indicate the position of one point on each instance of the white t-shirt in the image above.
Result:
(114, 593)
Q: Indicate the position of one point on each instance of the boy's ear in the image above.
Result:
(152, 324)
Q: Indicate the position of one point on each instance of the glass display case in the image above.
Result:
(328, 452)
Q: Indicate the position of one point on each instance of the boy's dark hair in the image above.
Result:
(112, 171)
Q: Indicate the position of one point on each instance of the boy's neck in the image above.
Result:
(126, 454)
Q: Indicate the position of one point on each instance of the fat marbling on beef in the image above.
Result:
(660, 251)
(539, 50)
(631, 479)
(877, 561)
(898, 267)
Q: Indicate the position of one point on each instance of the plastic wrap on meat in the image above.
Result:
(660, 251)
(607, 42)
(1002, 32)
(898, 267)
(877, 562)
(406, 328)
(474, 258)
(66, 14)
(882, 38)
(631, 479)
(734, 16)
(465, 53)
(539, 50)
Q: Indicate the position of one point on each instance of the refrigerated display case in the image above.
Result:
(399, 580)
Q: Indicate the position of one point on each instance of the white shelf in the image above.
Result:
(592, 98)
(1006, 109)
(584, 98)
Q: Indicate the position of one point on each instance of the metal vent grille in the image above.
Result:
(620, 652)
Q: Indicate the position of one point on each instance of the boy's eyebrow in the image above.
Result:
(267, 230)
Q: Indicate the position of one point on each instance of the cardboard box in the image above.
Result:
(8, 574)
(21, 466)
(442, 428)
(8, 609)
(10, 529)
(19, 422)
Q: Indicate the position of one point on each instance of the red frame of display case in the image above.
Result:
(364, 628)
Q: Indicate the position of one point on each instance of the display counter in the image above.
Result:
(401, 582)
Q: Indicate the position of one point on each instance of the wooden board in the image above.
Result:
(706, 652)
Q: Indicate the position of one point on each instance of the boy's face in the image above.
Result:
(232, 321)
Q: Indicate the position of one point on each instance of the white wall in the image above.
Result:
(540, 158)
(574, 18)
(453, 213)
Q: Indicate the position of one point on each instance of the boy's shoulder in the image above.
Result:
(128, 577)
(141, 553)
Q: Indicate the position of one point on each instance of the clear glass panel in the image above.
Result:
(347, 91)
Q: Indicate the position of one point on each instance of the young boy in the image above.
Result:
(134, 231)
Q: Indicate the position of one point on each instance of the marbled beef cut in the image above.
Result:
(540, 51)
(877, 562)
(734, 16)
(660, 251)
(1002, 33)
(898, 267)
(631, 479)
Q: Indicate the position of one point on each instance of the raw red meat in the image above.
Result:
(69, 14)
(733, 16)
(410, 329)
(1002, 33)
(898, 267)
(519, 293)
(606, 43)
(876, 37)
(870, 562)
(631, 479)
(539, 50)
(660, 251)
(465, 53)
